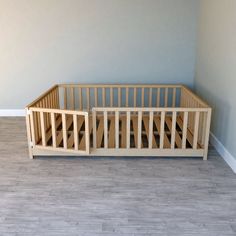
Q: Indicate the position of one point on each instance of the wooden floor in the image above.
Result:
(111, 196)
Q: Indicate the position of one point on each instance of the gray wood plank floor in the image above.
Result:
(111, 196)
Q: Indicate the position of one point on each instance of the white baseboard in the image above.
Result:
(220, 148)
(12, 112)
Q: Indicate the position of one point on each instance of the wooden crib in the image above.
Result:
(118, 120)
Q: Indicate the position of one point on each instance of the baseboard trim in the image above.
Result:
(12, 112)
(226, 155)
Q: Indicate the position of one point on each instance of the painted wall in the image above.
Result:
(93, 41)
(216, 66)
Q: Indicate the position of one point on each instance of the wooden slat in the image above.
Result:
(158, 97)
(80, 99)
(65, 98)
(103, 97)
(117, 129)
(111, 97)
(72, 97)
(53, 130)
(95, 97)
(127, 97)
(88, 130)
(171, 124)
(94, 129)
(123, 131)
(139, 129)
(149, 131)
(174, 97)
(142, 96)
(196, 126)
(76, 140)
(184, 134)
(42, 128)
(88, 98)
(135, 97)
(32, 127)
(166, 96)
(165, 141)
(173, 129)
(150, 97)
(111, 133)
(128, 130)
(189, 135)
(162, 131)
(134, 120)
(64, 131)
(119, 97)
(100, 131)
(105, 129)
(83, 142)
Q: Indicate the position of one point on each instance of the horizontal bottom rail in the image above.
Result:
(38, 151)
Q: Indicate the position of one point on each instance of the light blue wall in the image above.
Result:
(216, 67)
(93, 41)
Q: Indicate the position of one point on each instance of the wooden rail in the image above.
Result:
(119, 120)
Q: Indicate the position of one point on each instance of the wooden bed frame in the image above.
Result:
(118, 120)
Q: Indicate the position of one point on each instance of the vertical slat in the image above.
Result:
(111, 97)
(117, 129)
(105, 130)
(127, 97)
(94, 129)
(135, 96)
(53, 130)
(119, 97)
(64, 130)
(185, 126)
(150, 130)
(166, 96)
(207, 133)
(142, 95)
(103, 97)
(75, 124)
(162, 130)
(42, 128)
(128, 130)
(174, 97)
(150, 97)
(72, 101)
(87, 133)
(96, 97)
(196, 126)
(173, 130)
(32, 127)
(57, 98)
(88, 98)
(139, 129)
(80, 99)
(65, 98)
(158, 97)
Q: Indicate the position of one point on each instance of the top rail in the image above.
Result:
(122, 85)
(151, 109)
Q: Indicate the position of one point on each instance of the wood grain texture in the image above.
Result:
(87, 196)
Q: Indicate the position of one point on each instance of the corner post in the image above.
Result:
(207, 134)
(27, 116)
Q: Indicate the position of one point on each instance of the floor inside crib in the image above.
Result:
(122, 132)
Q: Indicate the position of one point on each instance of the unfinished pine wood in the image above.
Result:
(123, 131)
(148, 125)
(164, 141)
(51, 129)
(111, 133)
